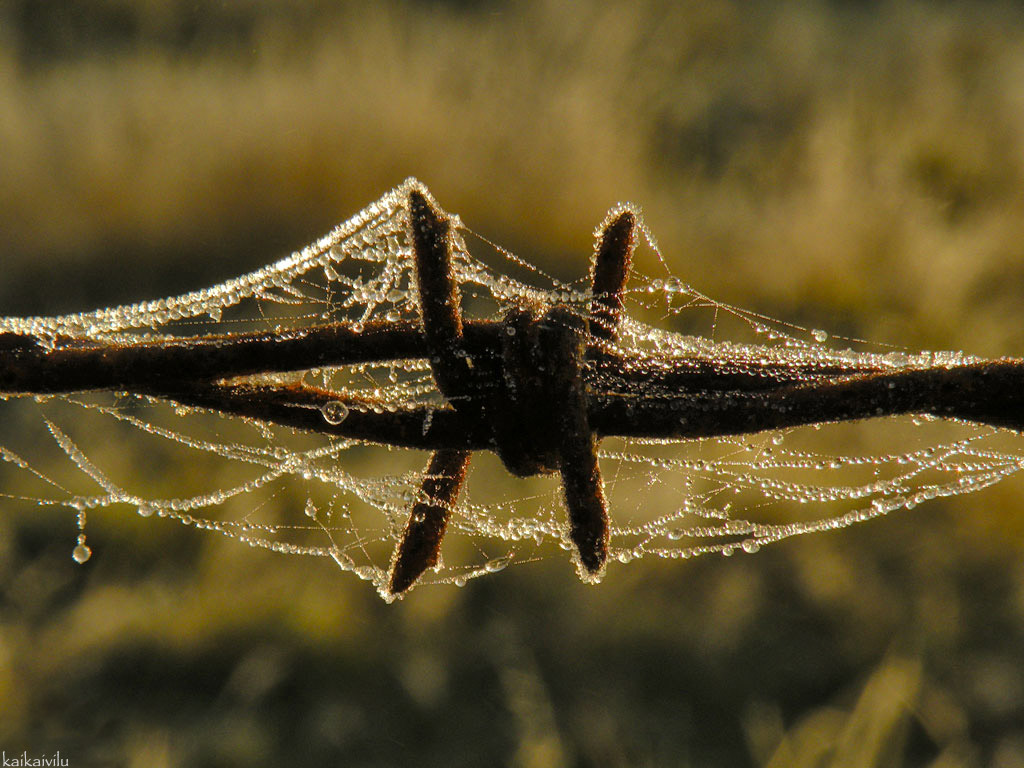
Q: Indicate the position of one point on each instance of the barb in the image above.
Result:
(420, 545)
(610, 273)
(441, 310)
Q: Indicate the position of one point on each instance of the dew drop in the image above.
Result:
(777, 440)
(330, 273)
(145, 510)
(334, 411)
(819, 335)
(750, 546)
(81, 553)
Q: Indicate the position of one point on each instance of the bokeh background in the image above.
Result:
(845, 165)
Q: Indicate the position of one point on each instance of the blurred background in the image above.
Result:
(855, 166)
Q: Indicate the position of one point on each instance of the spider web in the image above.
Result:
(348, 501)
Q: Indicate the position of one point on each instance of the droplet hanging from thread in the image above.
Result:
(334, 412)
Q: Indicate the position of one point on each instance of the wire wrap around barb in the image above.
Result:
(531, 397)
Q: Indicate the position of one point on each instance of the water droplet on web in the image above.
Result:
(81, 553)
(777, 439)
(330, 273)
(751, 546)
(819, 335)
(334, 411)
(145, 510)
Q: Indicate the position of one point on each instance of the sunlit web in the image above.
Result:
(347, 501)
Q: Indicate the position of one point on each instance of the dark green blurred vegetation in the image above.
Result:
(852, 166)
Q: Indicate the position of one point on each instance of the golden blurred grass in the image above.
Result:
(857, 168)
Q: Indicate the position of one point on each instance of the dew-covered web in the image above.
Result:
(348, 501)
